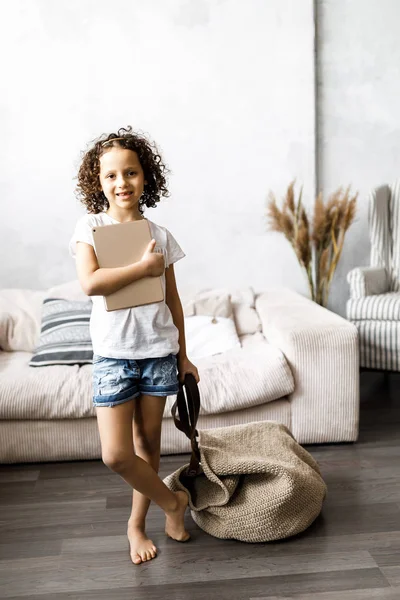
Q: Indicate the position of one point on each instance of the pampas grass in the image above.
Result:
(318, 245)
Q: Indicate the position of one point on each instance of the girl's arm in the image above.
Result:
(102, 282)
(174, 304)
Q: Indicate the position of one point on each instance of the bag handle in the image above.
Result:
(185, 412)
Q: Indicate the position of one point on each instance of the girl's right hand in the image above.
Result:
(153, 261)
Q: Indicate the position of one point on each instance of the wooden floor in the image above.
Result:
(62, 530)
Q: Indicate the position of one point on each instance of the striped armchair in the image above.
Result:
(374, 304)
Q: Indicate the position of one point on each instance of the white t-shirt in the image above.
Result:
(143, 331)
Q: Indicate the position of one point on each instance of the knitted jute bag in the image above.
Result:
(252, 483)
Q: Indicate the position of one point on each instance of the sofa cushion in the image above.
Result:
(222, 302)
(210, 303)
(246, 319)
(254, 374)
(20, 312)
(65, 337)
(56, 392)
(231, 381)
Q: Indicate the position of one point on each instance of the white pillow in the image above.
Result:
(206, 338)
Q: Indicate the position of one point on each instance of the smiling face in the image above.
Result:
(122, 181)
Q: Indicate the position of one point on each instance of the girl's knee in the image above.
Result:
(116, 460)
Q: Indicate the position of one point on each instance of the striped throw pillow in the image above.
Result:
(64, 336)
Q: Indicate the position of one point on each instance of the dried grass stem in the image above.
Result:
(317, 244)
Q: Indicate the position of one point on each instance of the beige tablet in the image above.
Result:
(120, 245)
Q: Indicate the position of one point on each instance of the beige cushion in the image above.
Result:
(246, 319)
(20, 315)
(239, 378)
(56, 392)
(244, 311)
(208, 303)
(220, 302)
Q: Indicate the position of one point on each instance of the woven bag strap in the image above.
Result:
(185, 412)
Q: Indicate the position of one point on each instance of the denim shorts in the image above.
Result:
(117, 380)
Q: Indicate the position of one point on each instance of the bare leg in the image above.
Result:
(146, 436)
(115, 428)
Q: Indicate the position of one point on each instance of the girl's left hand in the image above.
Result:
(185, 366)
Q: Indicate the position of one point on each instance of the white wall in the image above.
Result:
(225, 87)
(358, 111)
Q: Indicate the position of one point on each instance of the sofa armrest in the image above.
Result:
(368, 281)
(322, 351)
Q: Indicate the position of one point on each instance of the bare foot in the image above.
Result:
(174, 526)
(141, 548)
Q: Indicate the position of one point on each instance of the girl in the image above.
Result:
(137, 351)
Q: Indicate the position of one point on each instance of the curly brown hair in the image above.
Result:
(89, 191)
